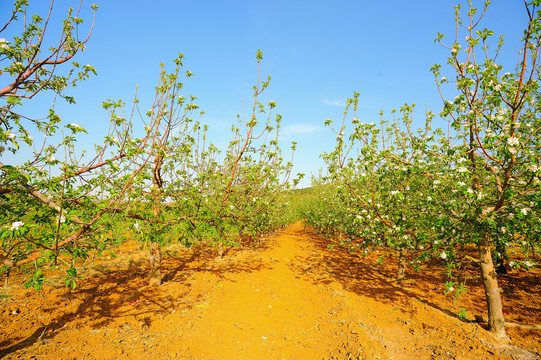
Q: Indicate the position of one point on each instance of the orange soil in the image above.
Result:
(290, 298)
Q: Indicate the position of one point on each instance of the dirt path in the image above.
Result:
(291, 300)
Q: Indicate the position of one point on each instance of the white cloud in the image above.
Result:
(334, 102)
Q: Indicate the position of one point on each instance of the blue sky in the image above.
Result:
(317, 52)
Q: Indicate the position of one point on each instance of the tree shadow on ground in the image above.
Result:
(366, 277)
(372, 276)
(118, 292)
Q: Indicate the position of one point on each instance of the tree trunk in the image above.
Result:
(6, 281)
(496, 321)
(401, 275)
(221, 250)
(155, 264)
(241, 236)
(155, 247)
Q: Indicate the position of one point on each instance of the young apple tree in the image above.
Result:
(51, 196)
(28, 68)
(387, 176)
(159, 167)
(495, 160)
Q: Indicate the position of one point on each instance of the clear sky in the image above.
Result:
(317, 52)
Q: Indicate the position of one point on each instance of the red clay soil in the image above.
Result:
(290, 298)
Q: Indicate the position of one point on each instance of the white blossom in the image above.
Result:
(51, 159)
(443, 255)
(137, 226)
(512, 150)
(513, 141)
(394, 192)
(498, 87)
(10, 135)
(16, 225)
(525, 211)
(462, 169)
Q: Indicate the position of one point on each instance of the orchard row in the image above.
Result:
(154, 178)
(429, 192)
